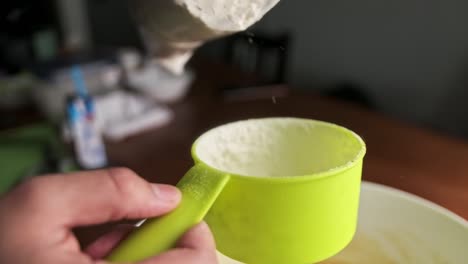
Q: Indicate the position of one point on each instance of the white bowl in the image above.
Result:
(397, 227)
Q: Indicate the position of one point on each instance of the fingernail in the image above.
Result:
(166, 193)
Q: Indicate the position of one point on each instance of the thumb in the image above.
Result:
(96, 197)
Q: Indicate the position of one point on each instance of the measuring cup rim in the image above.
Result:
(289, 178)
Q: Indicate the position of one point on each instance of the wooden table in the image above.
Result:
(399, 155)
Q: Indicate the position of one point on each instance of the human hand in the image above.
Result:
(37, 217)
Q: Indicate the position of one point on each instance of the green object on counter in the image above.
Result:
(24, 151)
(279, 190)
(17, 162)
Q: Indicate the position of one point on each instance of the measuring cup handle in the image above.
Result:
(200, 187)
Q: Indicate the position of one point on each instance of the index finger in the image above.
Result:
(95, 197)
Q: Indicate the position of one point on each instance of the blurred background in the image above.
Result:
(404, 61)
(79, 89)
(404, 58)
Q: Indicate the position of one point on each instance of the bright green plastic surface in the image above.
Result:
(292, 218)
(200, 188)
(265, 221)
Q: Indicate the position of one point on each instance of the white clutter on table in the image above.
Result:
(153, 80)
(121, 114)
(160, 84)
(50, 95)
(132, 70)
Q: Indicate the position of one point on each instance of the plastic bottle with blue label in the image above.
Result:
(88, 144)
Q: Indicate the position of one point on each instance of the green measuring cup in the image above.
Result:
(273, 190)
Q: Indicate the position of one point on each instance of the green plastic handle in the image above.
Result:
(200, 187)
